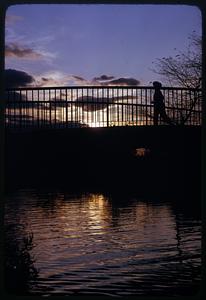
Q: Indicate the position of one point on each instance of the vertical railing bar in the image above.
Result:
(77, 108)
(32, 108)
(50, 109)
(57, 108)
(190, 107)
(43, 105)
(109, 108)
(122, 107)
(98, 111)
(181, 106)
(59, 111)
(199, 107)
(15, 119)
(117, 92)
(149, 107)
(15, 111)
(171, 104)
(20, 119)
(127, 104)
(103, 108)
(55, 113)
(177, 106)
(95, 112)
(81, 117)
(71, 111)
(143, 103)
(114, 107)
(24, 103)
(167, 102)
(26, 110)
(94, 107)
(136, 100)
(132, 106)
(135, 105)
(146, 102)
(139, 101)
(38, 122)
(142, 100)
(178, 97)
(66, 108)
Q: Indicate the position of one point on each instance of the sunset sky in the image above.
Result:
(77, 44)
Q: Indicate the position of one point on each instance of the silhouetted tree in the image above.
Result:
(184, 69)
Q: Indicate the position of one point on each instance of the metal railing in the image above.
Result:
(98, 106)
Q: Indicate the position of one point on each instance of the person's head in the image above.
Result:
(157, 84)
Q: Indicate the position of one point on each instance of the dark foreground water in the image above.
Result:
(101, 243)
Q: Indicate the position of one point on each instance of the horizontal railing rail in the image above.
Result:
(98, 106)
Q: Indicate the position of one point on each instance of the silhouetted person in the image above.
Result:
(159, 105)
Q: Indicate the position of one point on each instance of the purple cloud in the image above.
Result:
(103, 77)
(16, 78)
(10, 19)
(78, 78)
(17, 51)
(124, 81)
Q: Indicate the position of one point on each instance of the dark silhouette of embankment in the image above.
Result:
(104, 158)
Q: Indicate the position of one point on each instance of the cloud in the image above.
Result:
(103, 77)
(78, 78)
(17, 51)
(45, 79)
(53, 79)
(11, 19)
(16, 78)
(56, 78)
(124, 82)
(109, 80)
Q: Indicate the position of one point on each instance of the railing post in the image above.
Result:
(146, 106)
(107, 110)
(66, 110)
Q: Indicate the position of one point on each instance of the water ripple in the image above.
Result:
(89, 244)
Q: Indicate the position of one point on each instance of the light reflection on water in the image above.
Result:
(93, 243)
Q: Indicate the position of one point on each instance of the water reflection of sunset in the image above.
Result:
(90, 240)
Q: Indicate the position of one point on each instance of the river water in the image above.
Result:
(102, 244)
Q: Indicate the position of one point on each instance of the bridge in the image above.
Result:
(89, 136)
(98, 106)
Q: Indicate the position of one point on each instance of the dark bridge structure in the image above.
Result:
(96, 137)
(98, 106)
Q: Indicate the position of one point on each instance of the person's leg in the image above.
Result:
(156, 114)
(165, 117)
